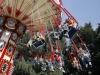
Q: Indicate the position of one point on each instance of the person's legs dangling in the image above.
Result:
(84, 62)
(61, 35)
(66, 33)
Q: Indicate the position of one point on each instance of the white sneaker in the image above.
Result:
(89, 72)
(51, 68)
(63, 70)
(66, 35)
(44, 69)
(90, 63)
(86, 65)
(60, 68)
(56, 37)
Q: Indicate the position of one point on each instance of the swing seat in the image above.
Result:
(72, 32)
(38, 43)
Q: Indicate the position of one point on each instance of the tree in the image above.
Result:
(96, 54)
(87, 33)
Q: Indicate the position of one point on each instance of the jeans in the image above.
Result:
(85, 60)
(57, 63)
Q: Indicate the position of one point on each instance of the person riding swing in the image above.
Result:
(37, 40)
(76, 64)
(85, 57)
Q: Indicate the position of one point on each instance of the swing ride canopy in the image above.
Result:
(39, 14)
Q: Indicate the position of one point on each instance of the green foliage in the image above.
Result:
(23, 68)
(92, 40)
(87, 33)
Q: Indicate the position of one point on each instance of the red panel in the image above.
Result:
(25, 17)
(18, 12)
(9, 9)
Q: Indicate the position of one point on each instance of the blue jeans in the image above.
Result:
(85, 60)
(32, 61)
(57, 63)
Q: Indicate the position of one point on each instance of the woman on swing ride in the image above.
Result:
(76, 64)
(74, 60)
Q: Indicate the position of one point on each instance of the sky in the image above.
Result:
(84, 11)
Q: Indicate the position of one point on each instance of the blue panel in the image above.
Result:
(72, 32)
(38, 44)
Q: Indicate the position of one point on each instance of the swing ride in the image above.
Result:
(40, 17)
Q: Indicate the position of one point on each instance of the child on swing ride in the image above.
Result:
(36, 38)
(59, 60)
(42, 63)
(39, 37)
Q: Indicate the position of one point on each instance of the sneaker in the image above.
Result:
(44, 69)
(27, 45)
(60, 68)
(86, 65)
(66, 35)
(90, 63)
(56, 37)
(89, 72)
(52, 70)
(63, 70)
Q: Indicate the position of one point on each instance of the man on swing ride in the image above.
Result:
(85, 57)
